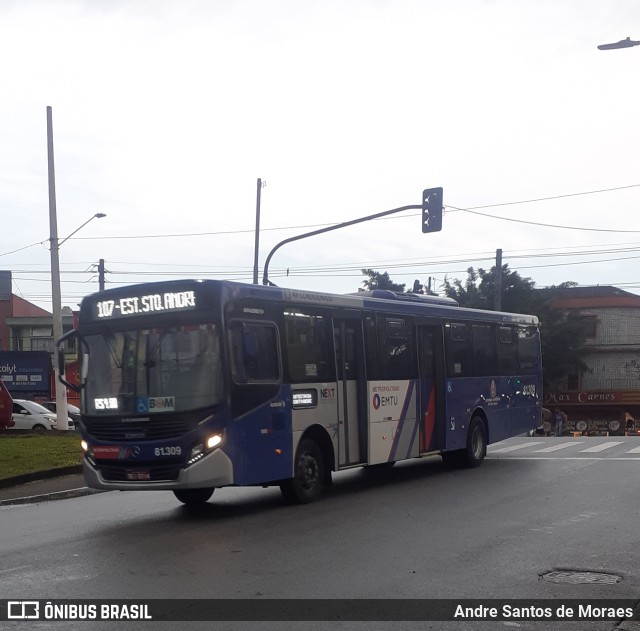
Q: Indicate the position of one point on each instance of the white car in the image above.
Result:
(33, 416)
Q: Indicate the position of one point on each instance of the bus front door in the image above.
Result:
(352, 407)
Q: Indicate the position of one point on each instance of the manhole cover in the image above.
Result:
(581, 578)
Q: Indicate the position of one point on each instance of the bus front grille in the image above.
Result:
(107, 429)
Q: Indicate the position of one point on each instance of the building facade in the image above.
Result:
(26, 334)
(606, 397)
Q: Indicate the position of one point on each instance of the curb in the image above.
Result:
(39, 475)
(47, 497)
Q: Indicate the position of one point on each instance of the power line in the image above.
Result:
(471, 210)
(546, 199)
(535, 223)
(327, 270)
(26, 247)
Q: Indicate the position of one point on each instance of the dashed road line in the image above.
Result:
(557, 447)
(602, 447)
(504, 450)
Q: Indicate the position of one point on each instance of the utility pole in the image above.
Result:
(101, 274)
(62, 416)
(497, 287)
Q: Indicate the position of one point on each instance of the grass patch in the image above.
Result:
(26, 453)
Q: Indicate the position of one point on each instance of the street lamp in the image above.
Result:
(96, 216)
(61, 390)
(623, 43)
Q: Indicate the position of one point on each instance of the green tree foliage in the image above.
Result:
(478, 290)
(379, 280)
(562, 333)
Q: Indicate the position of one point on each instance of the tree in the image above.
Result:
(479, 289)
(379, 280)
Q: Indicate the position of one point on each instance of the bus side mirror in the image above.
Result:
(61, 361)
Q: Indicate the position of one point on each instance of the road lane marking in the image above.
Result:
(14, 569)
(597, 448)
(635, 450)
(504, 450)
(557, 447)
(594, 458)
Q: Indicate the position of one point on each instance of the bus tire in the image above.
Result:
(308, 478)
(476, 449)
(193, 497)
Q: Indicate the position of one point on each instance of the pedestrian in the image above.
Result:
(558, 417)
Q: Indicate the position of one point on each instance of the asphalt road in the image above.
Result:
(416, 531)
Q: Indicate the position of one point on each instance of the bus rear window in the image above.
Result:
(528, 349)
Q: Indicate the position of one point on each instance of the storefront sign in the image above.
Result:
(593, 397)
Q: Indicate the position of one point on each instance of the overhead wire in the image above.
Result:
(472, 210)
(245, 274)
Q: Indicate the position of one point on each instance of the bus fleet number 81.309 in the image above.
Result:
(168, 451)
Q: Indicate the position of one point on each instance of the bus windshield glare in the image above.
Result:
(166, 369)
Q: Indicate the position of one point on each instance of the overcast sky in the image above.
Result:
(166, 113)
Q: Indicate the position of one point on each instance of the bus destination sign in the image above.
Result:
(151, 303)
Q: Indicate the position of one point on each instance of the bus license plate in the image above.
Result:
(138, 474)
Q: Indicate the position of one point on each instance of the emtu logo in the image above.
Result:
(376, 401)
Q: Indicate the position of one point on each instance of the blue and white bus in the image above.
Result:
(193, 385)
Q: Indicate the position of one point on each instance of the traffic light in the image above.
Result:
(432, 210)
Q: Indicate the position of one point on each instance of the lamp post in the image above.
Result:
(623, 43)
(55, 243)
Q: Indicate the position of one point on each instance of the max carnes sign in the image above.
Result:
(593, 397)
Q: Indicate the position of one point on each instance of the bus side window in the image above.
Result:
(254, 353)
(426, 353)
(397, 349)
(308, 346)
(484, 350)
(457, 350)
(371, 347)
(507, 351)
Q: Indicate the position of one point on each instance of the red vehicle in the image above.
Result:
(6, 408)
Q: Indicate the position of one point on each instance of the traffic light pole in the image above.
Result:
(431, 222)
(265, 275)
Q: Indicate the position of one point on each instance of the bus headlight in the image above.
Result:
(87, 451)
(214, 441)
(201, 449)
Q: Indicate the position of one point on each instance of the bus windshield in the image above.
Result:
(140, 371)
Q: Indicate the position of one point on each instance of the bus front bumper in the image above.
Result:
(214, 470)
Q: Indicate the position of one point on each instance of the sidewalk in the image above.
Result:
(50, 485)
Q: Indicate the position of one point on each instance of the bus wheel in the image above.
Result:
(308, 478)
(476, 449)
(193, 497)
